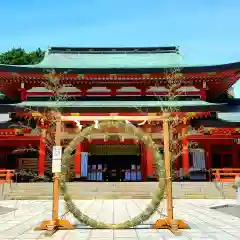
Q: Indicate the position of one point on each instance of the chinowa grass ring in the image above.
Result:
(123, 128)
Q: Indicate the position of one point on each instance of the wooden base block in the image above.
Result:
(166, 223)
(54, 225)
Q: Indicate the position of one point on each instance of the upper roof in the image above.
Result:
(104, 58)
(140, 60)
(151, 65)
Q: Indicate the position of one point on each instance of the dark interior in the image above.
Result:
(113, 166)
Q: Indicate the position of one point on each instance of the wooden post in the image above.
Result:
(55, 224)
(169, 222)
(56, 178)
(167, 161)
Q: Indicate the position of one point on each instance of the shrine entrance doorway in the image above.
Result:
(114, 163)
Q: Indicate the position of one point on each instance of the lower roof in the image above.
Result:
(230, 116)
(112, 106)
(215, 123)
(4, 118)
(124, 104)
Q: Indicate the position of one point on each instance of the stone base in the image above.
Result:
(166, 223)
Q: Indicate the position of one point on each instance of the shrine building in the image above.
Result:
(126, 82)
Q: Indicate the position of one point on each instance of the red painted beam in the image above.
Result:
(119, 76)
(13, 131)
(196, 114)
(113, 142)
(212, 137)
(5, 140)
(19, 138)
(19, 144)
(6, 152)
(117, 93)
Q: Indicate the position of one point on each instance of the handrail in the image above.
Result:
(7, 175)
(225, 174)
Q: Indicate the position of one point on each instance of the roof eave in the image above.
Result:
(182, 68)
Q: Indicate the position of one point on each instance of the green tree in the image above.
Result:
(18, 56)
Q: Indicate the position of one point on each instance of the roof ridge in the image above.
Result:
(74, 50)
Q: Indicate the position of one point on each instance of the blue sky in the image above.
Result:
(207, 31)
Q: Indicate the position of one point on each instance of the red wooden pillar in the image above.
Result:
(42, 154)
(203, 94)
(23, 92)
(235, 156)
(149, 162)
(208, 155)
(176, 164)
(143, 162)
(185, 155)
(203, 91)
(77, 165)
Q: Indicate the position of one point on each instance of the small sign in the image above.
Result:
(57, 153)
(56, 159)
(56, 166)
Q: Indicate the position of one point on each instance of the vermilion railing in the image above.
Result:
(6, 175)
(225, 174)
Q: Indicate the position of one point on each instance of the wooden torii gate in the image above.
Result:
(169, 222)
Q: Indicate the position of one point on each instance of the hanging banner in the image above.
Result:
(84, 164)
(56, 159)
(198, 159)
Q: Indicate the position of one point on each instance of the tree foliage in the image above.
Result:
(225, 97)
(18, 56)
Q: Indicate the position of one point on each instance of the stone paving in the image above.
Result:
(205, 223)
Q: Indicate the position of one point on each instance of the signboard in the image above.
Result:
(57, 153)
(56, 159)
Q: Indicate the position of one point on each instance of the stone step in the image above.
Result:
(119, 187)
(122, 190)
(113, 197)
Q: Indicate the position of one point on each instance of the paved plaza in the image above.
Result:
(205, 223)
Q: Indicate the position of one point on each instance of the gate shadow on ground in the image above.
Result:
(4, 210)
(229, 209)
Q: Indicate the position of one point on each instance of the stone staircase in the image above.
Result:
(119, 190)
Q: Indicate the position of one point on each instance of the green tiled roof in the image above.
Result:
(110, 59)
(118, 60)
(112, 104)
